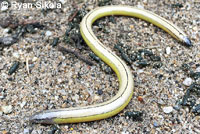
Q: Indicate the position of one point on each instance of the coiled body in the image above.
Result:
(126, 85)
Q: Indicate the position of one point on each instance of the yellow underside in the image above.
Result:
(160, 22)
(92, 118)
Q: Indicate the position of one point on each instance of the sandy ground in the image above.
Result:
(55, 80)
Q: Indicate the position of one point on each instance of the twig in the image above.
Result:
(13, 23)
(72, 16)
(76, 53)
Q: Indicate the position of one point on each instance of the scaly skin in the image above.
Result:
(122, 98)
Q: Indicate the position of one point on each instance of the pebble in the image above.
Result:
(140, 71)
(56, 97)
(161, 102)
(187, 82)
(198, 69)
(6, 109)
(34, 59)
(168, 50)
(155, 124)
(16, 55)
(59, 80)
(99, 92)
(26, 131)
(6, 30)
(140, 98)
(22, 104)
(131, 26)
(168, 109)
(48, 33)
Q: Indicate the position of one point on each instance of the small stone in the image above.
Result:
(140, 98)
(6, 30)
(195, 28)
(26, 131)
(100, 92)
(59, 80)
(6, 109)
(56, 97)
(8, 40)
(48, 33)
(168, 50)
(140, 71)
(155, 124)
(16, 55)
(10, 79)
(34, 59)
(161, 102)
(131, 26)
(22, 104)
(64, 97)
(167, 110)
(187, 82)
(198, 69)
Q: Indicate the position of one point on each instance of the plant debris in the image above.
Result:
(72, 34)
(134, 115)
(190, 100)
(76, 53)
(13, 68)
(20, 28)
(142, 57)
(55, 42)
(104, 2)
(13, 23)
